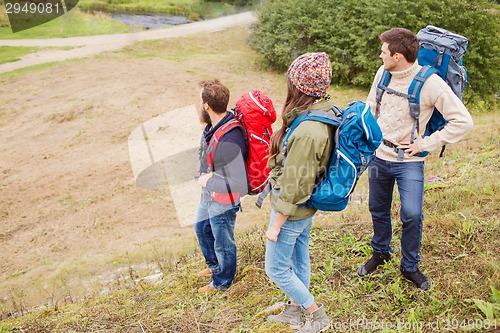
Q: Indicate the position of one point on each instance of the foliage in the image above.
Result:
(348, 30)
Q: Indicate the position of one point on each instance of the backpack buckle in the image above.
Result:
(414, 110)
(338, 112)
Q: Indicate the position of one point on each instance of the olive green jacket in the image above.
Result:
(308, 154)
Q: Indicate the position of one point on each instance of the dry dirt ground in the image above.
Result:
(70, 211)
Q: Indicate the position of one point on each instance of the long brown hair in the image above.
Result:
(295, 99)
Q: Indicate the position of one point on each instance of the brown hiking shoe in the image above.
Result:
(206, 289)
(205, 272)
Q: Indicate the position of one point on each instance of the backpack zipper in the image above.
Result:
(257, 103)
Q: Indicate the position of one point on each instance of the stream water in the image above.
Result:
(150, 21)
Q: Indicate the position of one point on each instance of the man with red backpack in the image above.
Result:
(223, 178)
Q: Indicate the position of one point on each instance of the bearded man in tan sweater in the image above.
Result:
(397, 160)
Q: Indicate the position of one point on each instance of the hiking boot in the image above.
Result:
(316, 321)
(418, 278)
(205, 272)
(377, 259)
(206, 289)
(291, 315)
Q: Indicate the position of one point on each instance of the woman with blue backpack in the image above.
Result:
(292, 180)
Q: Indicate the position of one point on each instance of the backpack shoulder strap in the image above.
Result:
(312, 115)
(418, 82)
(414, 96)
(381, 87)
(217, 136)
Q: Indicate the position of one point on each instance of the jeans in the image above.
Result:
(214, 228)
(288, 263)
(409, 177)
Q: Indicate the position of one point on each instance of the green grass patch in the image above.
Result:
(11, 53)
(27, 70)
(94, 21)
(177, 50)
(14, 53)
(463, 295)
(89, 17)
(74, 23)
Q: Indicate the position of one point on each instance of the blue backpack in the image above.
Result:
(357, 136)
(440, 52)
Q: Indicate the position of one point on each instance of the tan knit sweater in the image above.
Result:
(395, 119)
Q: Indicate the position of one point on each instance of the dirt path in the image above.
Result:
(91, 45)
(70, 211)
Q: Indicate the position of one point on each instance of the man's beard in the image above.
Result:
(204, 117)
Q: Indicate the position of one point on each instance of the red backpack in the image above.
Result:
(254, 112)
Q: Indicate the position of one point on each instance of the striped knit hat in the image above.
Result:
(311, 73)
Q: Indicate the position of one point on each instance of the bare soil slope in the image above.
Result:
(69, 208)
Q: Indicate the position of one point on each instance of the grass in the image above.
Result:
(459, 251)
(11, 54)
(15, 53)
(30, 69)
(465, 297)
(74, 23)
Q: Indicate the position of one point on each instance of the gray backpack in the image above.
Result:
(443, 50)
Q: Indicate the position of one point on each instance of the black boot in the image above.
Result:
(418, 278)
(377, 259)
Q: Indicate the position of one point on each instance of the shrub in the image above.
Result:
(348, 30)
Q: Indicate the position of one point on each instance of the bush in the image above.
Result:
(348, 31)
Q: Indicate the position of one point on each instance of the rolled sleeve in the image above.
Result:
(284, 207)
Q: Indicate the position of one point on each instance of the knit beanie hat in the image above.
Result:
(311, 73)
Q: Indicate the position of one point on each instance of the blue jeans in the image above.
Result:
(288, 263)
(409, 177)
(214, 228)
